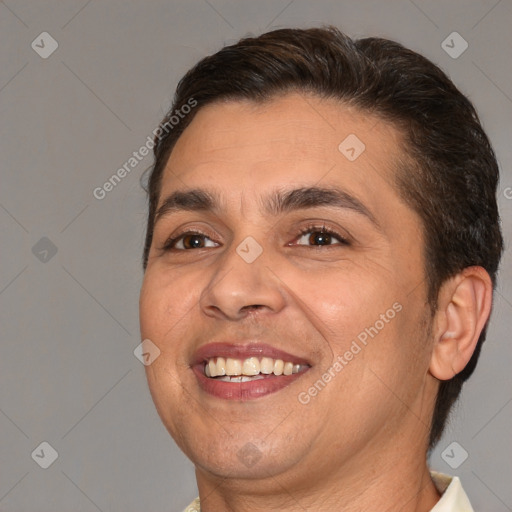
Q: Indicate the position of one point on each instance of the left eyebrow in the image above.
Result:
(276, 203)
(313, 197)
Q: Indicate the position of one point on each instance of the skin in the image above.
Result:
(366, 432)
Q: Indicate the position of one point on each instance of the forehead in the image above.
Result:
(244, 147)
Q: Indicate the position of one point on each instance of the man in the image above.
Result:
(322, 246)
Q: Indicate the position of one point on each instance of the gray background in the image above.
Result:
(69, 321)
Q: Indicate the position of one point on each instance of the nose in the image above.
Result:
(238, 289)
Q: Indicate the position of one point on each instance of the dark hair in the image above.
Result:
(448, 173)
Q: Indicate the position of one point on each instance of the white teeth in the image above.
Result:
(278, 367)
(233, 366)
(266, 365)
(221, 366)
(241, 378)
(252, 368)
(213, 368)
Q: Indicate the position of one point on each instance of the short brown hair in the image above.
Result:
(452, 182)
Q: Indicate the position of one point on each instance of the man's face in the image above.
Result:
(347, 309)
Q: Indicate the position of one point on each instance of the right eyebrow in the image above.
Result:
(187, 200)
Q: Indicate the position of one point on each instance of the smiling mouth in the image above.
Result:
(245, 371)
(250, 369)
(242, 387)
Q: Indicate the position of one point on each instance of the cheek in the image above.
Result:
(367, 319)
(163, 320)
(397, 359)
(166, 308)
(165, 299)
(350, 301)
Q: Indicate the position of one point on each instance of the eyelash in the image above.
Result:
(168, 246)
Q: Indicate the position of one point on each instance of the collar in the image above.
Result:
(453, 498)
(194, 506)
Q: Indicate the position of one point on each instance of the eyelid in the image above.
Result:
(321, 227)
(173, 239)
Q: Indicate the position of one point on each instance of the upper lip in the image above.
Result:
(243, 350)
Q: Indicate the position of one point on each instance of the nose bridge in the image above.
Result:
(243, 280)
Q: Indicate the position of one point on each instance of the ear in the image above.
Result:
(464, 306)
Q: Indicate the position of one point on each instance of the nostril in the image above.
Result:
(255, 306)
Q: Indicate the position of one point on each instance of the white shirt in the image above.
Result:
(453, 497)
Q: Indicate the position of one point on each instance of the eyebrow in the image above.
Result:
(277, 203)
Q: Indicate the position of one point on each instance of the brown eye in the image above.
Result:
(321, 236)
(194, 241)
(185, 241)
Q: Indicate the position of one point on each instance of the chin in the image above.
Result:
(242, 455)
(254, 464)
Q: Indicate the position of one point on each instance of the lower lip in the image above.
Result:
(242, 391)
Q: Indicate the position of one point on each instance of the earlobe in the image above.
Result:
(464, 307)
